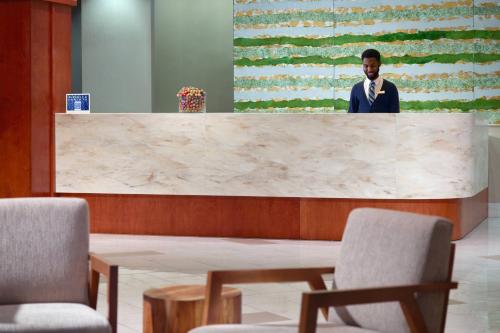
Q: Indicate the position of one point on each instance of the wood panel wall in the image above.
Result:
(35, 75)
(259, 217)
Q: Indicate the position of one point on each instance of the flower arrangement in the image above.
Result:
(191, 99)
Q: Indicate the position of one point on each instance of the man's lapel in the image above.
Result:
(383, 88)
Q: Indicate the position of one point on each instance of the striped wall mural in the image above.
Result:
(304, 55)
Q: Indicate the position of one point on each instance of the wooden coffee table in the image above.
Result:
(177, 309)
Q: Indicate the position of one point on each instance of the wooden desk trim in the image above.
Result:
(259, 217)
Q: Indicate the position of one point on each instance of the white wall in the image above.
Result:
(193, 46)
(494, 171)
(116, 54)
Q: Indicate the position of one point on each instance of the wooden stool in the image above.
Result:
(177, 309)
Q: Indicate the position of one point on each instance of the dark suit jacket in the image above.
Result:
(388, 102)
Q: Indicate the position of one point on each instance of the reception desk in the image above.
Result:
(270, 175)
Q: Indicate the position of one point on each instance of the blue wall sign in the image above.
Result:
(77, 103)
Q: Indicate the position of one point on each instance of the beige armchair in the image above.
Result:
(45, 281)
(393, 275)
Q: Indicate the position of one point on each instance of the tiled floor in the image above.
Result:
(149, 262)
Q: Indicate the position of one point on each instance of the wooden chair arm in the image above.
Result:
(100, 266)
(405, 295)
(216, 279)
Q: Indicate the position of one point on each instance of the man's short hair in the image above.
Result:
(371, 53)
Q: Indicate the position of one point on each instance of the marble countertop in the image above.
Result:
(383, 156)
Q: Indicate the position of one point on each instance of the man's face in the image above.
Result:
(371, 67)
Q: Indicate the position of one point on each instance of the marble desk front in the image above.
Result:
(375, 156)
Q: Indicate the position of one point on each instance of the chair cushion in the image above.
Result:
(43, 250)
(51, 318)
(277, 328)
(388, 248)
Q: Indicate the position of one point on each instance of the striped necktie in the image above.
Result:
(371, 92)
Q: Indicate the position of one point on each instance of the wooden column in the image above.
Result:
(35, 75)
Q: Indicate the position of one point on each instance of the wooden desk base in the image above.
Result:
(178, 309)
(259, 217)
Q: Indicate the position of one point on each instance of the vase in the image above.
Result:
(192, 104)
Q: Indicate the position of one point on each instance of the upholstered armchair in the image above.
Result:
(45, 281)
(393, 275)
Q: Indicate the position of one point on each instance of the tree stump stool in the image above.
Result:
(177, 309)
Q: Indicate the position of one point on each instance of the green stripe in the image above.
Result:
(443, 58)
(352, 60)
(466, 84)
(296, 81)
(344, 39)
(341, 104)
(297, 41)
(436, 84)
(288, 60)
(423, 47)
(283, 17)
(294, 103)
(478, 104)
(288, 110)
(486, 10)
(405, 14)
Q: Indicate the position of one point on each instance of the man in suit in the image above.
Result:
(374, 94)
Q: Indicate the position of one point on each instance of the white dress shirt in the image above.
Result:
(378, 86)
